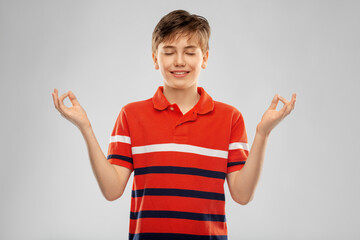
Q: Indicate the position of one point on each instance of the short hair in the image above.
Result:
(181, 23)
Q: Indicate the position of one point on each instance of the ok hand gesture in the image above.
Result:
(272, 117)
(75, 114)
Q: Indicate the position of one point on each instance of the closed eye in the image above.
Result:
(173, 53)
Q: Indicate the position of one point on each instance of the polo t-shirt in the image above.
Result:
(180, 164)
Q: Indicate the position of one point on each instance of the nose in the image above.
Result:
(179, 61)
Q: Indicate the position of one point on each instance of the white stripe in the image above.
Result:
(239, 145)
(175, 147)
(120, 138)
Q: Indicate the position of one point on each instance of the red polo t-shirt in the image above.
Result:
(180, 164)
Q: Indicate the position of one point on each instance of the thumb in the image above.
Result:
(72, 98)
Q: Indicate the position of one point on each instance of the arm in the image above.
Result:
(243, 183)
(112, 179)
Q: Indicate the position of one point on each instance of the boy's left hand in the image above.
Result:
(272, 117)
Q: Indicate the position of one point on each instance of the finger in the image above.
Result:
(283, 110)
(274, 102)
(283, 100)
(293, 100)
(288, 109)
(61, 103)
(56, 100)
(73, 99)
(288, 106)
(53, 96)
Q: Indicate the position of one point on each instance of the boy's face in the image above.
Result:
(180, 62)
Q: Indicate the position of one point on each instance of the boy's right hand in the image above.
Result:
(75, 114)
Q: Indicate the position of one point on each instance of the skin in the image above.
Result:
(242, 183)
(179, 55)
(112, 179)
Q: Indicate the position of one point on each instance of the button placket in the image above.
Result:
(187, 118)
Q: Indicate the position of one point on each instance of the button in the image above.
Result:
(171, 108)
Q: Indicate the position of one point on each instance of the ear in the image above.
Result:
(205, 59)
(155, 61)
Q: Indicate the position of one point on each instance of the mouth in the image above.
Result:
(180, 74)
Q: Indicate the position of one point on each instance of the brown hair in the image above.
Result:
(181, 23)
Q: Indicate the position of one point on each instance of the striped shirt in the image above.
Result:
(180, 164)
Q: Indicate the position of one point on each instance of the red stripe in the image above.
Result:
(172, 225)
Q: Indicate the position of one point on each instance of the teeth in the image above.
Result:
(180, 73)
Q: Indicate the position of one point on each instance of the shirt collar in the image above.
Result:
(203, 106)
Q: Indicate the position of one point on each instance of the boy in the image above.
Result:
(181, 144)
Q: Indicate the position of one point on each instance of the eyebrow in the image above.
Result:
(190, 46)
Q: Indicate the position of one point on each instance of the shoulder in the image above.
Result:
(137, 106)
(230, 114)
(224, 106)
(226, 109)
(134, 108)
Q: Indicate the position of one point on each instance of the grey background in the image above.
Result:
(101, 50)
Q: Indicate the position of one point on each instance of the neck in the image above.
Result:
(186, 98)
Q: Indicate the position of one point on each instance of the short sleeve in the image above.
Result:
(238, 147)
(119, 150)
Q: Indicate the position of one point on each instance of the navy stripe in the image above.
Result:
(129, 159)
(230, 164)
(177, 214)
(180, 170)
(177, 192)
(174, 236)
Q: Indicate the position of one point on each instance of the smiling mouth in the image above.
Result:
(180, 73)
